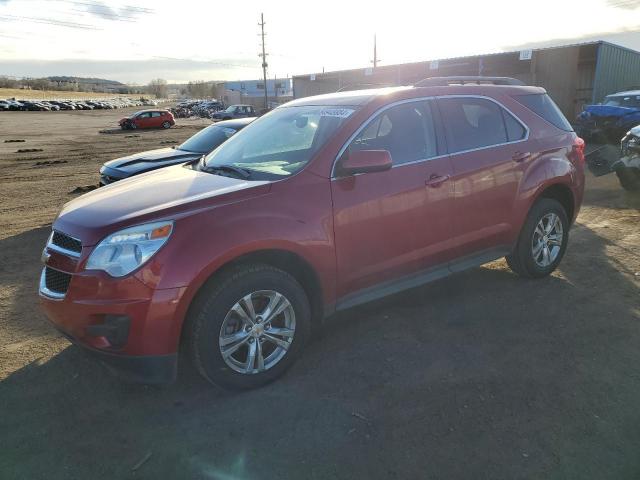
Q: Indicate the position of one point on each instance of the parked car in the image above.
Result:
(610, 121)
(627, 167)
(322, 204)
(148, 119)
(203, 142)
(4, 105)
(235, 111)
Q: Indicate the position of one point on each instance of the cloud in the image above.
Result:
(626, 4)
(103, 10)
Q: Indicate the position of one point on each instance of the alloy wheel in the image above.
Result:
(257, 332)
(547, 240)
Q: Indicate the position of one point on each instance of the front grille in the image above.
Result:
(55, 281)
(65, 241)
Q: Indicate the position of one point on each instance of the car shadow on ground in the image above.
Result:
(479, 372)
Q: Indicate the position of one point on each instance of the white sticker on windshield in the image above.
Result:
(336, 112)
(228, 132)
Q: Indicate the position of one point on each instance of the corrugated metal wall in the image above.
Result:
(617, 69)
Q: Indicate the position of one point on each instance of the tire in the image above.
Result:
(166, 125)
(629, 179)
(213, 319)
(132, 126)
(523, 260)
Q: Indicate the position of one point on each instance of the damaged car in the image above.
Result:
(609, 121)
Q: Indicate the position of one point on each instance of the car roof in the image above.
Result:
(625, 93)
(237, 123)
(357, 98)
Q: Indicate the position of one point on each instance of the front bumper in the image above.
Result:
(124, 320)
(148, 369)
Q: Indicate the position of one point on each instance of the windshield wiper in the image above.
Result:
(241, 172)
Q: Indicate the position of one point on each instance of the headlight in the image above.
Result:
(122, 252)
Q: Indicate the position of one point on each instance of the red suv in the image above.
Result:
(148, 119)
(322, 204)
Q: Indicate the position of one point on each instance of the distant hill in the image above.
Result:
(85, 80)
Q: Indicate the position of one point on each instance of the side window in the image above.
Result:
(406, 131)
(472, 123)
(155, 114)
(515, 130)
(144, 115)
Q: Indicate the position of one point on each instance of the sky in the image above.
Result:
(135, 41)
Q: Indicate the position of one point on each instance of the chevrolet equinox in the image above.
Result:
(320, 205)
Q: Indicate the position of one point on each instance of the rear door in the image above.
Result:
(489, 147)
(156, 119)
(395, 223)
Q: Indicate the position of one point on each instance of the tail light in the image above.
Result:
(578, 149)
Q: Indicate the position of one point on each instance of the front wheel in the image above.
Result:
(542, 242)
(248, 327)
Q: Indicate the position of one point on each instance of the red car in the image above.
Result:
(148, 119)
(320, 205)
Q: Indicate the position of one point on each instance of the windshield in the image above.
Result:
(282, 142)
(207, 139)
(629, 101)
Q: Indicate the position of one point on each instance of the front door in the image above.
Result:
(392, 224)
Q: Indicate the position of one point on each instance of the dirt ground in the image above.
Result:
(479, 376)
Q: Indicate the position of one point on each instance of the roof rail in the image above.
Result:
(362, 86)
(445, 81)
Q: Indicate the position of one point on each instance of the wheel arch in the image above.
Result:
(562, 194)
(280, 258)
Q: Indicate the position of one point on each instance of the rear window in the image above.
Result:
(542, 105)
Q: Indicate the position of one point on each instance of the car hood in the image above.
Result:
(608, 111)
(171, 192)
(141, 162)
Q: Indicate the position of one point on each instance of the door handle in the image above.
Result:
(521, 156)
(435, 180)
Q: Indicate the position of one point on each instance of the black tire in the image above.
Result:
(132, 126)
(166, 125)
(521, 260)
(207, 314)
(629, 178)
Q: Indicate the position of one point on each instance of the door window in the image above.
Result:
(405, 130)
(155, 114)
(474, 123)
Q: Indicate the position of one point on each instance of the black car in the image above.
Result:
(235, 111)
(203, 142)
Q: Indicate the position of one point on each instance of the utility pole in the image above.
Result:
(264, 61)
(275, 87)
(375, 52)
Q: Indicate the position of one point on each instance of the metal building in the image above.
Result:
(574, 75)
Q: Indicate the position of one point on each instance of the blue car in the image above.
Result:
(611, 120)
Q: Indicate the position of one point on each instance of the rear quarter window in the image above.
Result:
(542, 105)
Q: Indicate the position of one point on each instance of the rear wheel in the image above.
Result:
(629, 178)
(542, 242)
(166, 125)
(248, 327)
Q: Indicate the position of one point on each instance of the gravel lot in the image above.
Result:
(481, 375)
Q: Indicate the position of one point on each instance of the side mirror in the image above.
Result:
(365, 161)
